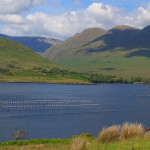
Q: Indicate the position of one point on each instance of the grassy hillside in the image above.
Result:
(122, 51)
(20, 64)
(13, 53)
(73, 43)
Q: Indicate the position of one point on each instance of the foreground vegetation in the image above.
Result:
(126, 137)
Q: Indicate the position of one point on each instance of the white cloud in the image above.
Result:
(13, 19)
(17, 6)
(67, 24)
(141, 16)
(106, 15)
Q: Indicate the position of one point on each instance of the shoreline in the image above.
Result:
(71, 83)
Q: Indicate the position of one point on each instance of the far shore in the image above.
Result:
(70, 83)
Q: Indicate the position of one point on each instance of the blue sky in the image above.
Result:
(59, 6)
(64, 18)
(82, 4)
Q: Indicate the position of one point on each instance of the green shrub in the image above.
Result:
(85, 135)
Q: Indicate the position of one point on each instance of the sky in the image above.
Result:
(61, 19)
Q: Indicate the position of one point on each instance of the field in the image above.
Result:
(108, 63)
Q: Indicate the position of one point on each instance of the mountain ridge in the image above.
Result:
(121, 51)
(37, 44)
(77, 41)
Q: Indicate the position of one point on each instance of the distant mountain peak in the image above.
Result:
(123, 27)
(92, 29)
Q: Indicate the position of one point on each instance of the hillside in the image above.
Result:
(37, 44)
(20, 64)
(123, 51)
(73, 43)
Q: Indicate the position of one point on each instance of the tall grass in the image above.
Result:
(78, 144)
(109, 134)
(116, 132)
(130, 130)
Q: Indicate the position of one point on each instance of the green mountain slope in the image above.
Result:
(20, 64)
(73, 43)
(122, 51)
(13, 53)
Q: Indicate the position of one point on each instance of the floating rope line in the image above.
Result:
(52, 105)
(45, 101)
(49, 106)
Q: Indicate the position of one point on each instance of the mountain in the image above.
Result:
(20, 64)
(73, 43)
(37, 44)
(122, 51)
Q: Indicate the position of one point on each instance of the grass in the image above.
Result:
(20, 64)
(132, 130)
(78, 144)
(17, 56)
(119, 133)
(36, 142)
(132, 144)
(42, 79)
(109, 139)
(110, 134)
(98, 63)
(136, 144)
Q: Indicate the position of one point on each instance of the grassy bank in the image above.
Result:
(40, 75)
(125, 137)
(136, 144)
(57, 75)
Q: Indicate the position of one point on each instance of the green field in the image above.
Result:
(108, 63)
(65, 144)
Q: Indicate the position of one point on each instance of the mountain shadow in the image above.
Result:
(123, 40)
(144, 53)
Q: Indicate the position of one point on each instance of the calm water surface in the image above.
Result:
(59, 110)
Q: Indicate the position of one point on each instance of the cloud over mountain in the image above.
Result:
(68, 23)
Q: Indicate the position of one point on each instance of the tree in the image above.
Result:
(20, 134)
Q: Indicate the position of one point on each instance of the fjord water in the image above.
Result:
(60, 110)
